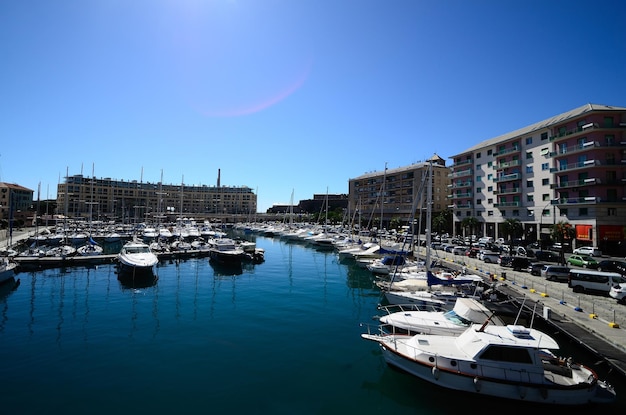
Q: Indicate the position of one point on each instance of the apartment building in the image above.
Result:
(133, 201)
(398, 194)
(16, 203)
(571, 168)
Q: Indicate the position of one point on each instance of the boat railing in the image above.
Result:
(394, 308)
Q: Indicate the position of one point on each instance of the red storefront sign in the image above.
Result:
(584, 232)
(612, 232)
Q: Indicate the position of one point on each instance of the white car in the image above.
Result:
(588, 250)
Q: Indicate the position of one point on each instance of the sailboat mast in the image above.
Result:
(429, 196)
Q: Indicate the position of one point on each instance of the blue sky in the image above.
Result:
(286, 95)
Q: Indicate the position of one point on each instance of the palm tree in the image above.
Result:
(511, 228)
(561, 232)
(470, 223)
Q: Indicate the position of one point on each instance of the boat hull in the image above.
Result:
(517, 389)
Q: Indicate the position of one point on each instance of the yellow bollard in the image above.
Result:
(614, 325)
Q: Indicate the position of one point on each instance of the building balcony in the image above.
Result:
(465, 195)
(505, 151)
(589, 200)
(459, 185)
(461, 163)
(512, 191)
(507, 178)
(507, 164)
(576, 183)
(576, 166)
(501, 205)
(462, 173)
(467, 205)
(575, 131)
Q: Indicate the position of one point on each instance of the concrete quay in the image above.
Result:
(594, 322)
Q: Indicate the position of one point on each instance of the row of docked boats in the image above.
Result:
(455, 340)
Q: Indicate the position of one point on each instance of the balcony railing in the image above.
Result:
(507, 177)
(506, 204)
(458, 185)
(588, 200)
(460, 195)
(461, 163)
(576, 183)
(574, 166)
(509, 150)
(507, 164)
(463, 206)
(507, 191)
(462, 173)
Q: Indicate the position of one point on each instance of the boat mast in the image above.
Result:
(429, 196)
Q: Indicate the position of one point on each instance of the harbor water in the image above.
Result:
(279, 337)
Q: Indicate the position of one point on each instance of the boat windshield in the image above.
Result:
(137, 250)
(456, 319)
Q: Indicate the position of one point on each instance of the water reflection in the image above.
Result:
(131, 280)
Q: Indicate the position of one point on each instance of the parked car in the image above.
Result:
(534, 268)
(585, 261)
(459, 250)
(588, 250)
(520, 263)
(612, 265)
(555, 272)
(505, 261)
(547, 256)
(472, 252)
(489, 257)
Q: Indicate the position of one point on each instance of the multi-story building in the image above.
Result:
(16, 202)
(133, 201)
(570, 168)
(394, 194)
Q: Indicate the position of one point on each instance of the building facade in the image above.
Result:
(398, 195)
(569, 168)
(133, 201)
(16, 202)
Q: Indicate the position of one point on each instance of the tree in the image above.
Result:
(561, 232)
(470, 223)
(511, 228)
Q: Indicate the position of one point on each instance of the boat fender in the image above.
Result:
(477, 384)
(522, 392)
(436, 372)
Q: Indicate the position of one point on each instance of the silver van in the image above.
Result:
(585, 280)
(555, 272)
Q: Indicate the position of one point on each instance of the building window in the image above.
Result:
(544, 136)
(608, 122)
(563, 212)
(529, 213)
(479, 178)
(529, 155)
(529, 184)
(583, 212)
(611, 212)
(490, 189)
(545, 182)
(529, 169)
(490, 176)
(530, 198)
(529, 141)
(489, 152)
(515, 212)
(490, 163)
(545, 166)
(478, 202)
(468, 213)
(490, 201)
(479, 190)
(477, 155)
(545, 197)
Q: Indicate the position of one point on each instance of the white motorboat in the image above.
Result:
(136, 256)
(7, 269)
(466, 311)
(226, 251)
(512, 362)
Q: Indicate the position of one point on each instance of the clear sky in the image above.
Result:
(286, 95)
